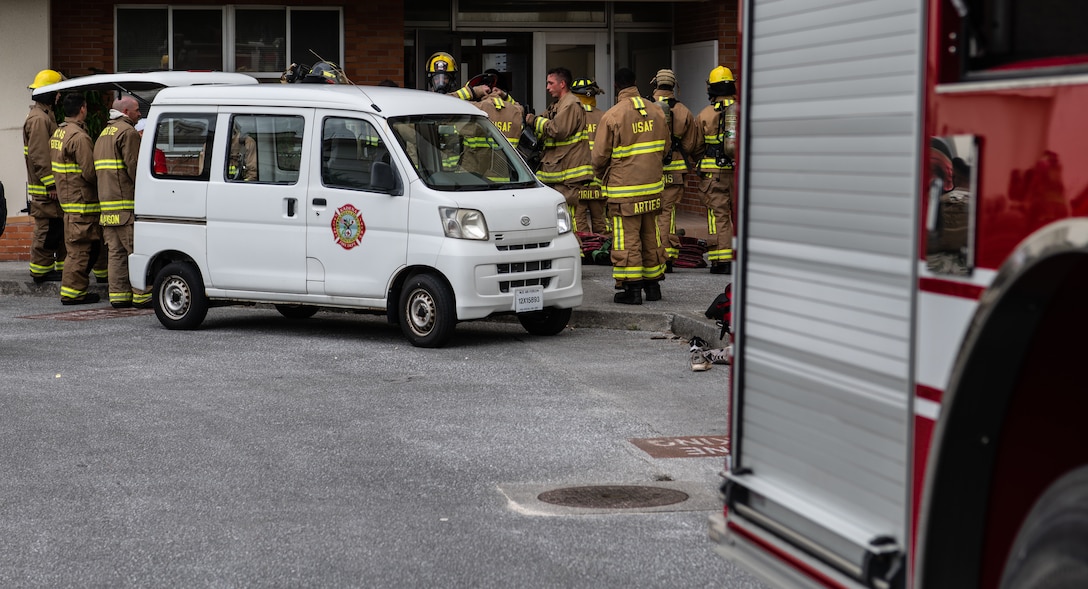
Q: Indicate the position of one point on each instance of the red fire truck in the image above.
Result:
(909, 406)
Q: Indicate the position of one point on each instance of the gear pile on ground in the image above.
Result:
(703, 357)
(692, 252)
(596, 248)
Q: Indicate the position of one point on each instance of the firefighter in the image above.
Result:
(508, 117)
(72, 154)
(628, 157)
(242, 160)
(718, 126)
(565, 164)
(115, 154)
(442, 78)
(47, 251)
(684, 140)
(590, 211)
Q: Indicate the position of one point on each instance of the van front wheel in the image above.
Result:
(179, 299)
(546, 322)
(427, 311)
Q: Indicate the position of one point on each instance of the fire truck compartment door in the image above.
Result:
(827, 236)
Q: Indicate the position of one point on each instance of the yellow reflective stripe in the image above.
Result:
(711, 139)
(138, 298)
(708, 163)
(100, 273)
(639, 148)
(120, 297)
(626, 272)
(480, 142)
(109, 164)
(568, 174)
(71, 293)
(36, 189)
(675, 166)
(464, 93)
(640, 105)
(77, 208)
(630, 191)
(580, 136)
(725, 255)
(538, 125)
(117, 205)
(39, 270)
(499, 104)
(26, 150)
(711, 222)
(49, 180)
(654, 271)
(617, 233)
(59, 168)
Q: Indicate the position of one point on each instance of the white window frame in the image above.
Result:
(229, 19)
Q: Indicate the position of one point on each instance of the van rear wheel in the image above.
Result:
(546, 322)
(427, 311)
(178, 297)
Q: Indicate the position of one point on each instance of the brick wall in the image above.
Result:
(15, 243)
(706, 21)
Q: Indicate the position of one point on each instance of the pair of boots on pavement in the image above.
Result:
(632, 292)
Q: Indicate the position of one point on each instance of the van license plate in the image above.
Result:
(528, 298)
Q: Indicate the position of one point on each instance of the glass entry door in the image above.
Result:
(583, 53)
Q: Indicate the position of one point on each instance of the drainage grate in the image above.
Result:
(613, 497)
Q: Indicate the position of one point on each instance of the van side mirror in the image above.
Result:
(382, 178)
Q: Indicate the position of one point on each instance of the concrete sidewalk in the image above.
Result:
(686, 293)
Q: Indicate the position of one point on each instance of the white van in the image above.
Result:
(383, 200)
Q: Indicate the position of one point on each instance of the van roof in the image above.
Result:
(143, 81)
(380, 100)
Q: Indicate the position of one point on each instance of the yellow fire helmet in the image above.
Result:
(441, 62)
(441, 73)
(45, 78)
(720, 74)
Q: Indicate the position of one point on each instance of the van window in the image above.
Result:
(181, 142)
(461, 152)
(349, 149)
(266, 149)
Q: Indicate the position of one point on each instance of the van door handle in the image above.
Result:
(291, 202)
(319, 202)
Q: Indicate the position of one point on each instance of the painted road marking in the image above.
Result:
(684, 447)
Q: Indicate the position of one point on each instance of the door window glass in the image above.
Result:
(265, 149)
(181, 143)
(350, 148)
(1010, 35)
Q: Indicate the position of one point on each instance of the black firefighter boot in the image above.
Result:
(653, 289)
(631, 295)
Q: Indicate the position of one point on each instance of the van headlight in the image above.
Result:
(562, 218)
(463, 223)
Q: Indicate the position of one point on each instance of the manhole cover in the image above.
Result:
(613, 497)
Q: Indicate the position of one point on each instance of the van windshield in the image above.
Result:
(461, 152)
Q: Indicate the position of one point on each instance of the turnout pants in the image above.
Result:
(118, 240)
(716, 192)
(637, 252)
(82, 235)
(47, 251)
(666, 219)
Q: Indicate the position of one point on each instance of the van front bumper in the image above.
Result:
(492, 274)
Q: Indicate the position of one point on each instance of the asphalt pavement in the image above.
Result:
(686, 293)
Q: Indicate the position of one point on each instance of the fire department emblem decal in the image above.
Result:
(347, 226)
